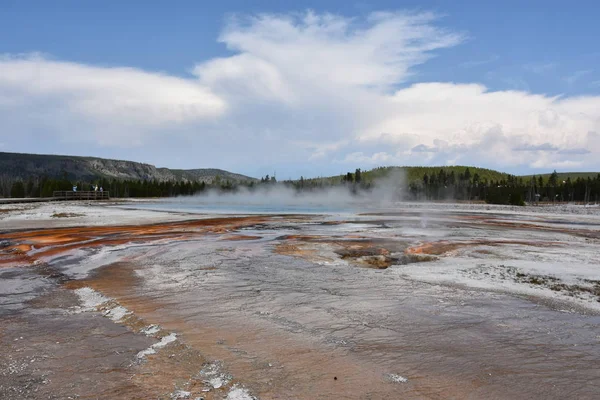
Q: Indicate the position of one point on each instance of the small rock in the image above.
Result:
(394, 378)
(180, 394)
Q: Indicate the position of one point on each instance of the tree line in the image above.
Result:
(453, 184)
(45, 187)
(511, 190)
(445, 184)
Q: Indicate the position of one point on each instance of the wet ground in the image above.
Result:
(399, 304)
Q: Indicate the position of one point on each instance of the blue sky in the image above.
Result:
(495, 57)
(537, 45)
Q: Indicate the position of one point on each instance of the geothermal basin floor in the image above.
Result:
(428, 301)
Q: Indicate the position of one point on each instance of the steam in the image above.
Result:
(384, 192)
(390, 189)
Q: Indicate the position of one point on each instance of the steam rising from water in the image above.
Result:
(383, 192)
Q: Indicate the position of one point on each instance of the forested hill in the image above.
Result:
(416, 174)
(25, 166)
(16, 167)
(30, 175)
(466, 183)
(412, 175)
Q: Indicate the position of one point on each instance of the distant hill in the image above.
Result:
(562, 176)
(415, 174)
(15, 166)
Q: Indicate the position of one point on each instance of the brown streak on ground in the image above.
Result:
(444, 246)
(52, 242)
(308, 254)
(528, 225)
(178, 364)
(248, 349)
(362, 252)
(240, 237)
(302, 237)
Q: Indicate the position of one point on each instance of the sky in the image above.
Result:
(304, 88)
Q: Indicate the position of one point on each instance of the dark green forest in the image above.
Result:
(117, 188)
(414, 183)
(465, 184)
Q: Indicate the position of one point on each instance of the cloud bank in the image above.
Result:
(318, 89)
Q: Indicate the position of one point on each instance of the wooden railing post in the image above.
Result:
(81, 195)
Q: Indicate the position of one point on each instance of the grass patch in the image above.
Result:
(9, 210)
(66, 215)
(556, 285)
(586, 289)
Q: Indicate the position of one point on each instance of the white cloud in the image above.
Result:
(113, 103)
(360, 158)
(299, 89)
(469, 124)
(536, 147)
(564, 165)
(308, 48)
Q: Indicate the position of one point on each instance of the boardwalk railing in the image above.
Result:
(81, 195)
